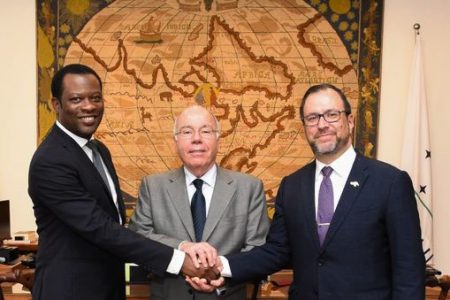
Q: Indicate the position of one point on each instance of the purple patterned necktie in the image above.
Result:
(325, 210)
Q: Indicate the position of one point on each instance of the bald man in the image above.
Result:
(233, 210)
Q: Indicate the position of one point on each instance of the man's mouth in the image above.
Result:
(197, 151)
(324, 135)
(88, 119)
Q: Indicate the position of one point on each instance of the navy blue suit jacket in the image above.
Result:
(82, 246)
(373, 247)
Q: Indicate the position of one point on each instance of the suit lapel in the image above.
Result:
(224, 190)
(108, 164)
(178, 195)
(79, 154)
(307, 187)
(112, 172)
(357, 177)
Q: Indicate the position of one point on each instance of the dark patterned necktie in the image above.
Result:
(198, 209)
(325, 210)
(96, 159)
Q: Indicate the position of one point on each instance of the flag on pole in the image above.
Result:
(416, 156)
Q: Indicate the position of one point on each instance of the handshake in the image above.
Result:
(202, 266)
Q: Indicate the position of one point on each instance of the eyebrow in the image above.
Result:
(330, 109)
(190, 126)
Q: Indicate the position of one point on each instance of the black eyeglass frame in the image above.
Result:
(324, 116)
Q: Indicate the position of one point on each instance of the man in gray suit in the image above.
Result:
(200, 207)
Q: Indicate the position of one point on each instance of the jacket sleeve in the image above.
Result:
(268, 258)
(142, 220)
(403, 227)
(55, 184)
(258, 221)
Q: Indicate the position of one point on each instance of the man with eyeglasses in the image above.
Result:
(200, 207)
(347, 225)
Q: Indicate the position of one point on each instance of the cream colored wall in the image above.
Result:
(18, 106)
(18, 100)
(398, 43)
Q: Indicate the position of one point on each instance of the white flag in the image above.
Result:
(416, 156)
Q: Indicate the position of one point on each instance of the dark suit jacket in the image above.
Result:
(372, 249)
(82, 246)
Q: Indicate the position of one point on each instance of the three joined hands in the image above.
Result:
(202, 266)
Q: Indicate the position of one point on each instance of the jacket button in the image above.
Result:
(190, 291)
(320, 262)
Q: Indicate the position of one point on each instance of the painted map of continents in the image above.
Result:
(249, 62)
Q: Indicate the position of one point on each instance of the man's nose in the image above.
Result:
(322, 122)
(196, 137)
(88, 104)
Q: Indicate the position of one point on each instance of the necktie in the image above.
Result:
(97, 160)
(198, 209)
(325, 210)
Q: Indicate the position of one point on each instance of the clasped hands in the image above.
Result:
(202, 266)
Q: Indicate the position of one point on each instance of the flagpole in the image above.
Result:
(416, 28)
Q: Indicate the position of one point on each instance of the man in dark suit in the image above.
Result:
(78, 206)
(350, 231)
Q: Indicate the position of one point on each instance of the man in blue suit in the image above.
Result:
(364, 244)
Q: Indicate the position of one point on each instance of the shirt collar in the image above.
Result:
(209, 177)
(342, 165)
(78, 139)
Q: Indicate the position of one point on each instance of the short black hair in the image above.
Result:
(57, 81)
(322, 87)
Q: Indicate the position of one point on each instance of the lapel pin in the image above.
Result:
(354, 183)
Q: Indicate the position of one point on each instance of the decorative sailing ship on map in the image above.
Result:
(196, 5)
(150, 32)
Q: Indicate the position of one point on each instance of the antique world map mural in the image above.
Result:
(248, 61)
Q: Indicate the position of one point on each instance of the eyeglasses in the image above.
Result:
(188, 133)
(330, 116)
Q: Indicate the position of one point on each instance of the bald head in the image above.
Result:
(196, 135)
(195, 110)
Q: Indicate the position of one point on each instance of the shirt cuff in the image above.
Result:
(176, 263)
(226, 272)
(181, 244)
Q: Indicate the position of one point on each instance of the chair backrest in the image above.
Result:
(23, 276)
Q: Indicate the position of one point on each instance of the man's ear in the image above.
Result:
(57, 105)
(351, 122)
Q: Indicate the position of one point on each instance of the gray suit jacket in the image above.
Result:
(237, 221)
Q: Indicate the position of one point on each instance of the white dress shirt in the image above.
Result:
(209, 180)
(341, 169)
